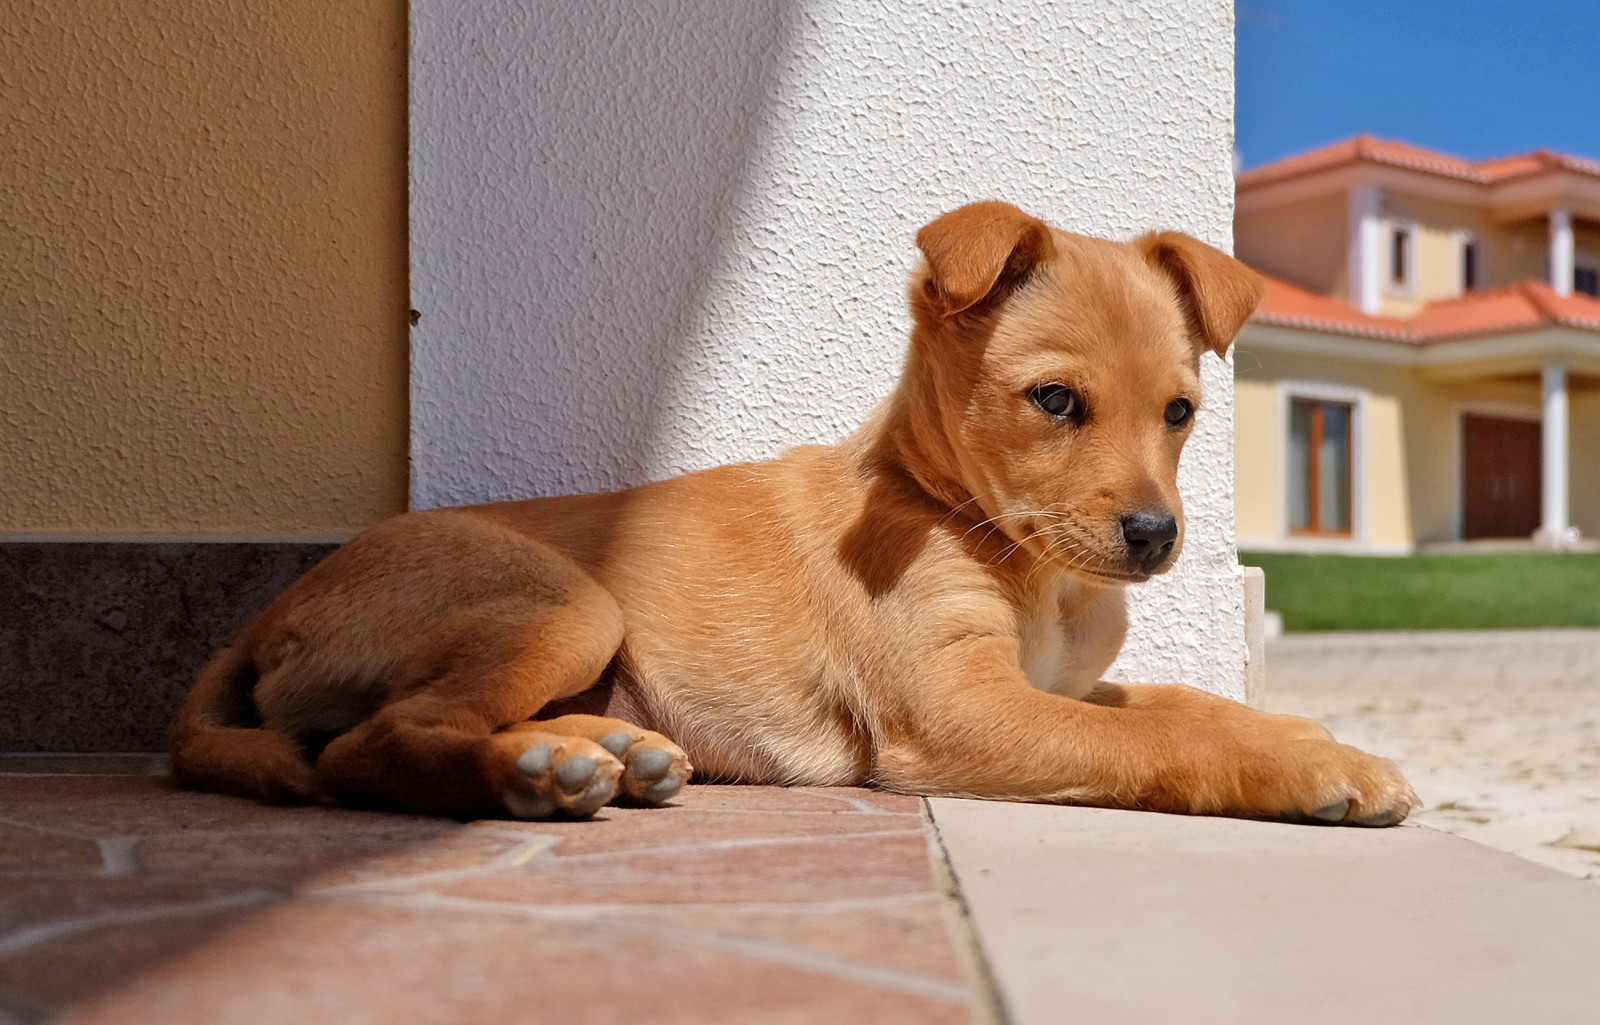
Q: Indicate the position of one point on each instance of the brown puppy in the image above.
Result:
(926, 607)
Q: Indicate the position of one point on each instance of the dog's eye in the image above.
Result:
(1178, 412)
(1058, 400)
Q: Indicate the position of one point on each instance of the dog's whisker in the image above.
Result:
(994, 520)
(1063, 540)
(1033, 514)
(956, 509)
(1048, 531)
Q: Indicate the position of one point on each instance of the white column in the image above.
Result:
(646, 238)
(1365, 253)
(1553, 531)
(1561, 251)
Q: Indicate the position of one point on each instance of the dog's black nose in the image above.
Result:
(1150, 537)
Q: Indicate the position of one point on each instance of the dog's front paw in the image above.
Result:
(1321, 781)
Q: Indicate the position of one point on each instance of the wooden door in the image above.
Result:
(1500, 477)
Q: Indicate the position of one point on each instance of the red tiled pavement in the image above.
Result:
(124, 900)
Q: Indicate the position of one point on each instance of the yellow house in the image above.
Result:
(1425, 366)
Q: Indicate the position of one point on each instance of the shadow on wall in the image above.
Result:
(605, 148)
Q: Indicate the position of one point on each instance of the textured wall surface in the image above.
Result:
(202, 266)
(100, 641)
(648, 238)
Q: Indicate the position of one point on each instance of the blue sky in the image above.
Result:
(1475, 78)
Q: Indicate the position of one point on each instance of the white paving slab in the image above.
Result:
(1091, 916)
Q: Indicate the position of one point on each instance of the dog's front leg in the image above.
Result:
(1176, 699)
(976, 728)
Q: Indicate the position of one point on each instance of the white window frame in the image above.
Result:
(1358, 399)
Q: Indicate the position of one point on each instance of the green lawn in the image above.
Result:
(1432, 592)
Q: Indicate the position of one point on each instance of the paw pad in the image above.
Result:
(1334, 812)
(661, 790)
(535, 761)
(650, 764)
(573, 773)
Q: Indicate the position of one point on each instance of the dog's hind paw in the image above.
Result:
(655, 768)
(561, 774)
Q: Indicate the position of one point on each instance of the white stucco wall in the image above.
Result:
(653, 237)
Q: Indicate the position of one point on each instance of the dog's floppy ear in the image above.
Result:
(977, 250)
(1218, 292)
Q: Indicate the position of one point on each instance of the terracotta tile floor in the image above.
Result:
(125, 900)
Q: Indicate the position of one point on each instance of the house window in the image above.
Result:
(1319, 467)
(1586, 280)
(1469, 267)
(1400, 256)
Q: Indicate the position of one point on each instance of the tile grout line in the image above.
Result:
(861, 805)
(535, 849)
(116, 855)
(844, 905)
(47, 830)
(772, 951)
(75, 775)
(740, 843)
(965, 931)
(33, 935)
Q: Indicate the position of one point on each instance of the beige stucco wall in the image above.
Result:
(1257, 455)
(1388, 444)
(1387, 499)
(202, 266)
(1411, 443)
(1517, 251)
(1437, 229)
(1302, 242)
(1439, 257)
(1513, 251)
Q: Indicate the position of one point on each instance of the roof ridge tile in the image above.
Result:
(1366, 147)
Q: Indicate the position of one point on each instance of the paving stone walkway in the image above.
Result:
(1499, 731)
(128, 901)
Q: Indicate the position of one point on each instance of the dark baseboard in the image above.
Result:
(99, 640)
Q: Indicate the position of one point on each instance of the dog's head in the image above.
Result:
(1056, 378)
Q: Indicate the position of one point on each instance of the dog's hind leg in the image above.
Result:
(441, 745)
(217, 744)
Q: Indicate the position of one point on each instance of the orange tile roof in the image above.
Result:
(1372, 150)
(1524, 306)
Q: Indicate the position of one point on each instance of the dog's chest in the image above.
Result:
(1044, 654)
(1048, 655)
(1044, 648)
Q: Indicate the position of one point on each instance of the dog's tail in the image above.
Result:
(217, 742)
